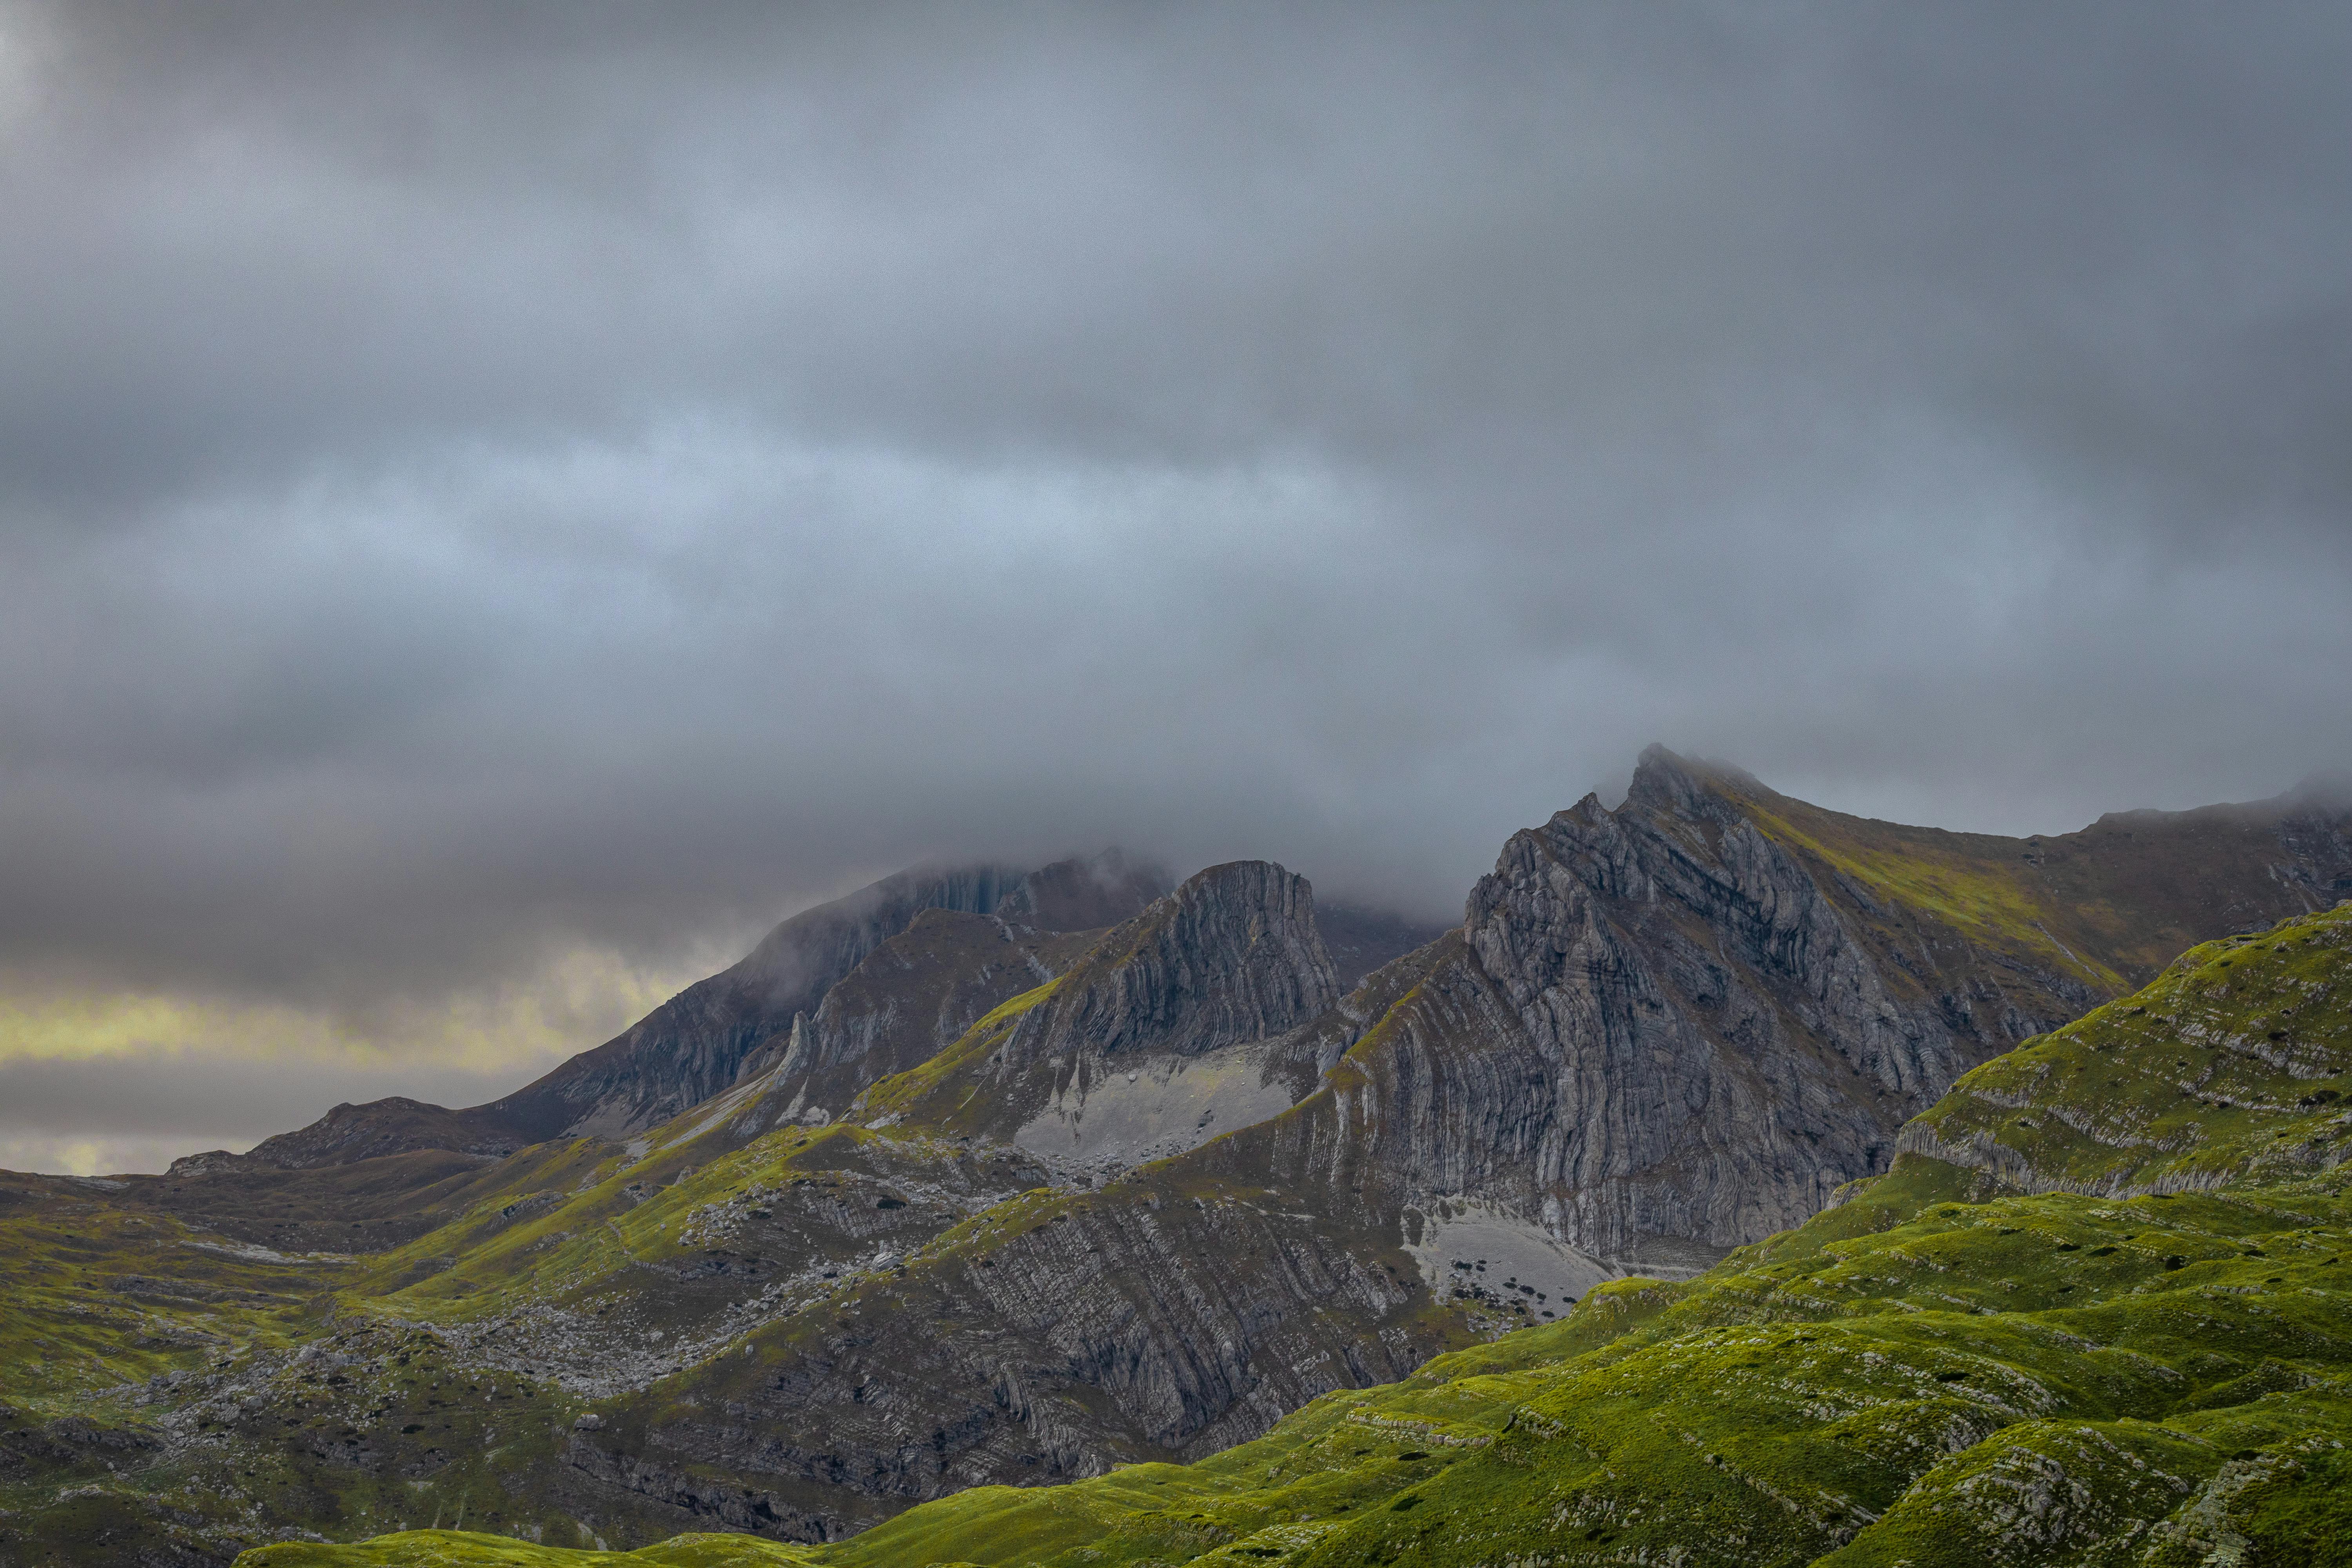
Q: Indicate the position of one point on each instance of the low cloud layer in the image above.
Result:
(487, 497)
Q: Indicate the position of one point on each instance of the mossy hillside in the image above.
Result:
(460, 1549)
(1880, 1396)
(154, 1404)
(658, 1274)
(168, 1395)
(2236, 1061)
(596, 1247)
(2109, 905)
(99, 1300)
(107, 1316)
(1973, 883)
(944, 1092)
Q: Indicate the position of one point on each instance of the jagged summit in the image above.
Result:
(1232, 955)
(1149, 1042)
(1661, 776)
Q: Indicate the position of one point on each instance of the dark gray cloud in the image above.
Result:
(479, 483)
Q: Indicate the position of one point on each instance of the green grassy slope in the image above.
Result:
(191, 1365)
(2230, 1066)
(2109, 905)
(1963, 1363)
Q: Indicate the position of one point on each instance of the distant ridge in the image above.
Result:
(693, 1045)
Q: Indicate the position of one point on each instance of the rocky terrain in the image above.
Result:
(999, 1201)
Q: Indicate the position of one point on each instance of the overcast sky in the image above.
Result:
(498, 503)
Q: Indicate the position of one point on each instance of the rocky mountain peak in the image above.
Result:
(1684, 786)
(1230, 956)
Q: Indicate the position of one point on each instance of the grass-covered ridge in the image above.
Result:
(2235, 1063)
(2101, 1312)
(2108, 906)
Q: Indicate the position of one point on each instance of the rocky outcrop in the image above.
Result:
(1229, 959)
(1232, 955)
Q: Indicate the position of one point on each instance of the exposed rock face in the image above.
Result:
(909, 999)
(1233, 955)
(1678, 1026)
(1229, 958)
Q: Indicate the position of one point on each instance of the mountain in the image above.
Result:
(1662, 1032)
(1013, 1204)
(696, 1044)
(2117, 1328)
(1676, 1027)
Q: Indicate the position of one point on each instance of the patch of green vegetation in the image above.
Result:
(2101, 1312)
(903, 1093)
(2234, 1063)
(455, 1549)
(1977, 886)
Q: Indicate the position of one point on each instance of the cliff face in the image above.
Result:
(1674, 1027)
(1658, 1028)
(1232, 955)
(1150, 1034)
